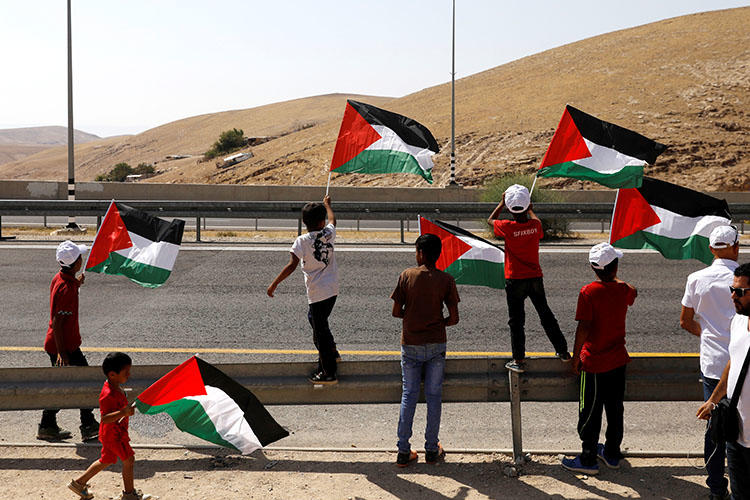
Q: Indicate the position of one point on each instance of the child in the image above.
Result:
(315, 250)
(418, 299)
(523, 276)
(113, 432)
(600, 357)
(63, 340)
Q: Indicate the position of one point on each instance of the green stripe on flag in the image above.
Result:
(629, 176)
(694, 247)
(189, 416)
(143, 274)
(384, 161)
(478, 272)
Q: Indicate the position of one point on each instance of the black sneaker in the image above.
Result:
(564, 356)
(432, 457)
(321, 378)
(89, 432)
(52, 433)
(404, 458)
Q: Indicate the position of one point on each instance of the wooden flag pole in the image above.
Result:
(532, 186)
(329, 181)
(612, 220)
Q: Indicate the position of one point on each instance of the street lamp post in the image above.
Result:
(453, 102)
(71, 163)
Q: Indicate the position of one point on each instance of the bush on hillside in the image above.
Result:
(122, 170)
(493, 192)
(229, 140)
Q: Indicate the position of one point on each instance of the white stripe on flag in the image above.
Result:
(481, 251)
(606, 160)
(392, 142)
(680, 227)
(228, 419)
(160, 254)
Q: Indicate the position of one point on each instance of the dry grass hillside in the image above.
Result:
(683, 81)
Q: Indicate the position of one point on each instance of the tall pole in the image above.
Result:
(453, 100)
(71, 164)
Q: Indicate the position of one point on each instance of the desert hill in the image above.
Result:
(18, 143)
(684, 82)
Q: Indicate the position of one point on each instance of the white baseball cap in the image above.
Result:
(517, 198)
(602, 254)
(723, 237)
(68, 252)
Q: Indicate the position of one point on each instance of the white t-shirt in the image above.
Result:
(738, 350)
(707, 293)
(315, 251)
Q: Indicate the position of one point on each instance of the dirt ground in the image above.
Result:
(42, 472)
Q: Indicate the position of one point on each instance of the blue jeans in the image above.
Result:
(738, 461)
(416, 359)
(715, 481)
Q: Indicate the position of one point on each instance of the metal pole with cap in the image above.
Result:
(71, 163)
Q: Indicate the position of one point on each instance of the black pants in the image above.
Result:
(516, 291)
(49, 417)
(318, 314)
(738, 463)
(601, 391)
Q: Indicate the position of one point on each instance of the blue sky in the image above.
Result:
(142, 63)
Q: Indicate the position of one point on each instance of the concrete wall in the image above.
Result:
(47, 190)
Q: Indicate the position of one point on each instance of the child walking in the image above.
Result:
(113, 431)
(523, 275)
(315, 250)
(418, 299)
(600, 357)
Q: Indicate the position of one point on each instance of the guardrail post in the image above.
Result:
(197, 229)
(98, 222)
(402, 231)
(515, 416)
(256, 224)
(45, 221)
(299, 226)
(3, 238)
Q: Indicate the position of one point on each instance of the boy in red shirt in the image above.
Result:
(113, 431)
(523, 275)
(600, 357)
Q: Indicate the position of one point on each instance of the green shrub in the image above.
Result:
(229, 140)
(144, 169)
(554, 227)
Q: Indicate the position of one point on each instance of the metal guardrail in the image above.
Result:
(466, 381)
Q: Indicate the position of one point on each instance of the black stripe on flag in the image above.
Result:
(682, 200)
(150, 227)
(615, 137)
(261, 422)
(412, 132)
(463, 232)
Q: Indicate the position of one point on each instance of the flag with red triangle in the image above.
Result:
(132, 243)
(470, 259)
(674, 220)
(587, 148)
(375, 141)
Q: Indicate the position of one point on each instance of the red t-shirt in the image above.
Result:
(111, 401)
(521, 247)
(605, 305)
(63, 302)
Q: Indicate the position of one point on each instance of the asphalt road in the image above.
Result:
(216, 298)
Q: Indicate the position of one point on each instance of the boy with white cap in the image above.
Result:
(63, 340)
(707, 311)
(600, 357)
(523, 275)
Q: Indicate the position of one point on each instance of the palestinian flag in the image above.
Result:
(135, 244)
(375, 141)
(470, 259)
(205, 402)
(674, 220)
(589, 149)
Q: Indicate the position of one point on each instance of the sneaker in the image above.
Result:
(82, 490)
(516, 366)
(89, 432)
(434, 456)
(404, 458)
(612, 463)
(321, 378)
(575, 465)
(137, 495)
(564, 356)
(52, 433)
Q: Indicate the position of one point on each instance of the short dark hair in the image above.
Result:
(609, 272)
(115, 362)
(743, 270)
(430, 246)
(313, 214)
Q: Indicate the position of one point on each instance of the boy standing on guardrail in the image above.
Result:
(315, 250)
(115, 411)
(418, 299)
(523, 275)
(600, 357)
(63, 340)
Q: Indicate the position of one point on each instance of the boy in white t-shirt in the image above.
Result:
(315, 250)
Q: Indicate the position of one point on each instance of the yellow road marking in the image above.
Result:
(203, 350)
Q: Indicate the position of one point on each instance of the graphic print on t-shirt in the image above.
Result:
(321, 248)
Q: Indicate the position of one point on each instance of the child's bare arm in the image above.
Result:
(582, 333)
(118, 415)
(284, 274)
(531, 213)
(398, 309)
(496, 213)
(452, 318)
(329, 211)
